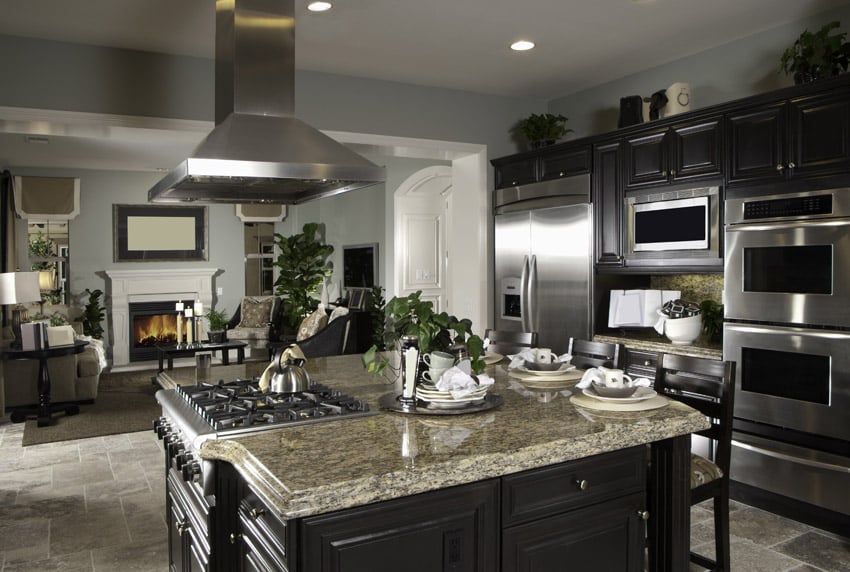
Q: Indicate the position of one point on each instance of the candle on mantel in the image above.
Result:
(199, 309)
(179, 307)
(179, 326)
(189, 338)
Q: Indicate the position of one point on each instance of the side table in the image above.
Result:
(43, 410)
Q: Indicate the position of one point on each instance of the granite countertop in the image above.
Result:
(649, 339)
(323, 467)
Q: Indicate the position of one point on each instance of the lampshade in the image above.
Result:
(45, 280)
(19, 287)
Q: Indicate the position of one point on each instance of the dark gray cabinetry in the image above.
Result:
(451, 529)
(683, 152)
(641, 363)
(607, 199)
(801, 137)
(188, 520)
(582, 515)
(543, 165)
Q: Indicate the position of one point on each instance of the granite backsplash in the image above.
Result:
(694, 287)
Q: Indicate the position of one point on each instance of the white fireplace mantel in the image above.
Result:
(153, 285)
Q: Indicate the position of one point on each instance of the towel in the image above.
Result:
(460, 384)
(594, 374)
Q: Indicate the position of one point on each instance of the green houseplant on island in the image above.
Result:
(412, 316)
(218, 325)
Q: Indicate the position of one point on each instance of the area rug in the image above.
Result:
(125, 403)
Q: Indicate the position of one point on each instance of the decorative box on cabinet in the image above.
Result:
(678, 153)
(802, 137)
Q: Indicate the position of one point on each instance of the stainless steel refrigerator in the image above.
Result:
(543, 260)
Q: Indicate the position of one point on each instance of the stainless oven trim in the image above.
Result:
(826, 420)
(673, 204)
(714, 227)
(734, 212)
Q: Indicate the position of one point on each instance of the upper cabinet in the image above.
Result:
(607, 198)
(801, 137)
(554, 162)
(688, 151)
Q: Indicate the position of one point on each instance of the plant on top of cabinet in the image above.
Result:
(543, 129)
(817, 55)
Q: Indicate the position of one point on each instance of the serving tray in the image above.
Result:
(390, 402)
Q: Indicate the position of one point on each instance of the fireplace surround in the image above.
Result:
(154, 285)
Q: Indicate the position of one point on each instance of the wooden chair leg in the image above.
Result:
(721, 528)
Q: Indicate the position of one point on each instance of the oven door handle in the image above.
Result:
(791, 458)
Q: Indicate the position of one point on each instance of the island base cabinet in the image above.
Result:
(604, 537)
(452, 530)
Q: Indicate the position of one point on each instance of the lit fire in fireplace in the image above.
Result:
(156, 329)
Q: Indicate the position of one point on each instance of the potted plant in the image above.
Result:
(817, 55)
(302, 266)
(543, 129)
(93, 314)
(436, 332)
(218, 325)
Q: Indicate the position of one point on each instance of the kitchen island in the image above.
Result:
(305, 472)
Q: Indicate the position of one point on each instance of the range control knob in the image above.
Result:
(180, 460)
(161, 426)
(191, 470)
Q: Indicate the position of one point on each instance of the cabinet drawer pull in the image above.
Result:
(791, 165)
(663, 173)
(779, 167)
(257, 513)
(647, 363)
(235, 537)
(561, 174)
(582, 484)
(643, 514)
(672, 172)
(182, 527)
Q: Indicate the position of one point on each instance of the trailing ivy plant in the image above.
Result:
(302, 265)
(93, 315)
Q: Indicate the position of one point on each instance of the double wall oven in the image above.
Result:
(787, 298)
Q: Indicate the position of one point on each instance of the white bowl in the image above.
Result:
(683, 331)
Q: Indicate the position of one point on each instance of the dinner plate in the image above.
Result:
(492, 357)
(640, 394)
(564, 368)
(446, 396)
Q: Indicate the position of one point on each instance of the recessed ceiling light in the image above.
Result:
(319, 6)
(522, 45)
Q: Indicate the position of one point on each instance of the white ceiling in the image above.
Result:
(455, 44)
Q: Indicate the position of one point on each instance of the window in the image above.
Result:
(49, 252)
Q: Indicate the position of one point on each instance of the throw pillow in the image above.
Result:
(312, 324)
(338, 312)
(255, 313)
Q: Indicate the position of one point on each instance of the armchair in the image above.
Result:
(255, 320)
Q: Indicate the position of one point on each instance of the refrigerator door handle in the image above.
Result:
(523, 293)
(532, 294)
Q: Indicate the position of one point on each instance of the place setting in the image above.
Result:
(610, 389)
(539, 368)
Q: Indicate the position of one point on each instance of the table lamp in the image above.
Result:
(19, 288)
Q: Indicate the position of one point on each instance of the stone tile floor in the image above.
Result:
(98, 505)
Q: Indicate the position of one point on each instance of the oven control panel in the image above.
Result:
(788, 207)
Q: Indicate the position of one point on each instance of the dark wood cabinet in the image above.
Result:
(188, 545)
(582, 515)
(607, 199)
(455, 529)
(641, 363)
(549, 163)
(801, 137)
(677, 153)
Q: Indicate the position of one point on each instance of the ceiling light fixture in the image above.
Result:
(522, 45)
(319, 6)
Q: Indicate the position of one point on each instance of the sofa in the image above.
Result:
(73, 378)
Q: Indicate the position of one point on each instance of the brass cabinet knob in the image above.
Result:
(582, 484)
(791, 165)
(235, 537)
(779, 167)
(257, 513)
(643, 514)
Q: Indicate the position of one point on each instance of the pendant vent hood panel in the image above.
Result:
(258, 152)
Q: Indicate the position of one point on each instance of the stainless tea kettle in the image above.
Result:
(289, 375)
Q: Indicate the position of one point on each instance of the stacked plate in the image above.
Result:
(444, 400)
(565, 367)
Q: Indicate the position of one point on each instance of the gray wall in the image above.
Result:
(745, 67)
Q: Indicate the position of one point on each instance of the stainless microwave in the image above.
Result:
(673, 224)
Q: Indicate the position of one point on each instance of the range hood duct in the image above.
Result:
(258, 151)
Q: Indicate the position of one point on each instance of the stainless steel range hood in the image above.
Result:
(258, 151)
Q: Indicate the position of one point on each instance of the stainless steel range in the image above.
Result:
(787, 304)
(196, 413)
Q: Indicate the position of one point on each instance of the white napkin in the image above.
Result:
(459, 384)
(659, 325)
(593, 374)
(518, 360)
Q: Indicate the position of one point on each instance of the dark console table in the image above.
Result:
(43, 410)
(172, 351)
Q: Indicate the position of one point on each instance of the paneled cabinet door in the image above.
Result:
(513, 172)
(607, 201)
(455, 530)
(757, 150)
(564, 163)
(682, 152)
(819, 135)
(607, 536)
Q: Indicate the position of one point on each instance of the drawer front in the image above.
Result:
(262, 531)
(543, 492)
(640, 363)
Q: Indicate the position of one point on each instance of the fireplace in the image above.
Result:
(151, 323)
(165, 285)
